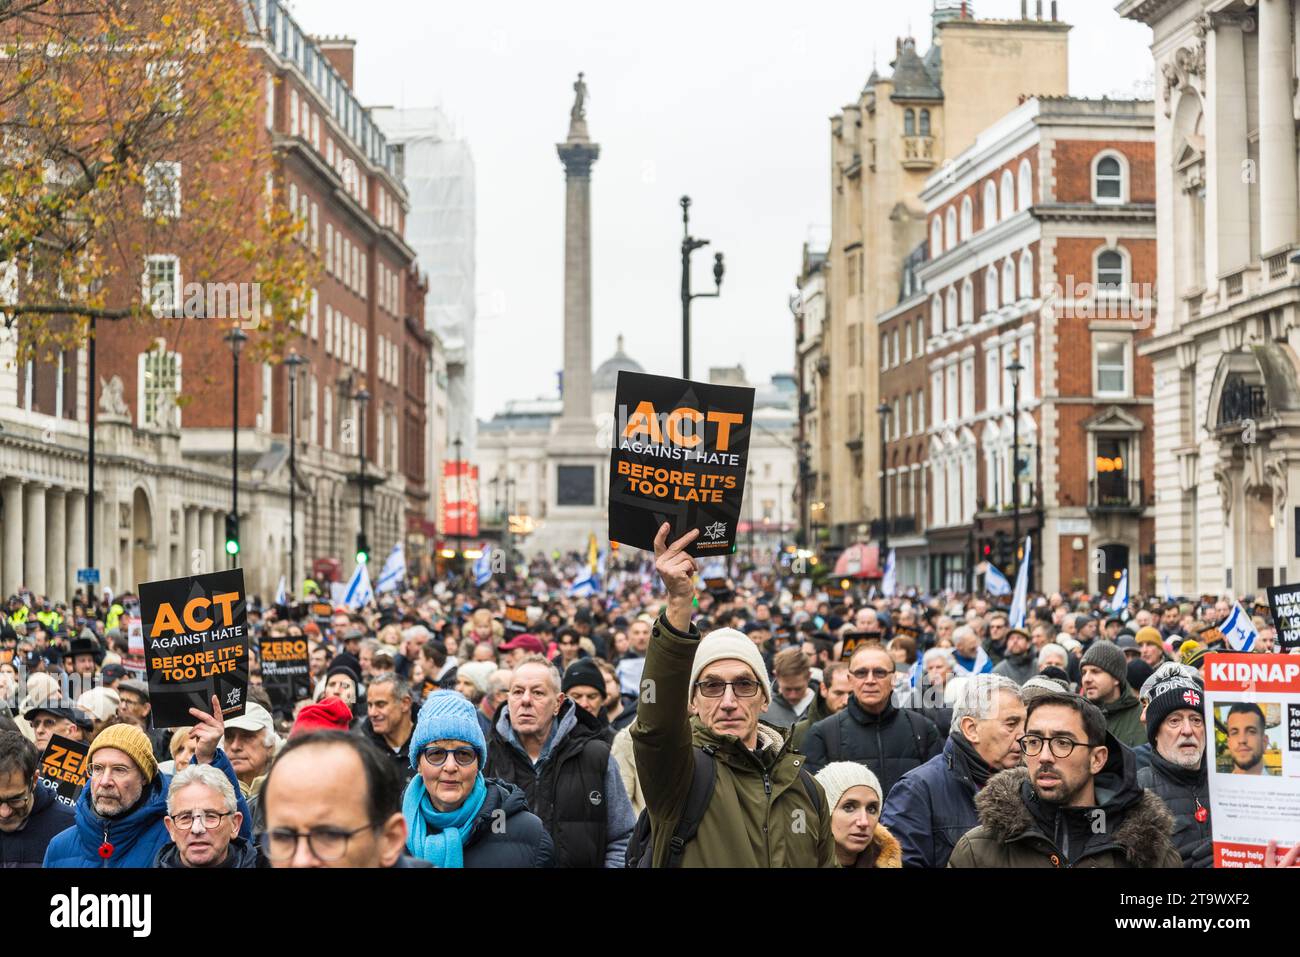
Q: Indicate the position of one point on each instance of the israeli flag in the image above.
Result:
(1239, 630)
(585, 585)
(358, 593)
(995, 583)
(281, 597)
(1019, 601)
(1169, 595)
(1121, 593)
(983, 664)
(483, 568)
(394, 570)
(889, 581)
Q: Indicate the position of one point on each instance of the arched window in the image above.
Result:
(991, 289)
(936, 316)
(951, 317)
(1026, 193)
(1008, 189)
(1110, 270)
(1008, 281)
(925, 122)
(990, 204)
(936, 237)
(1026, 275)
(1109, 178)
(907, 341)
(967, 218)
(909, 122)
(951, 228)
(968, 301)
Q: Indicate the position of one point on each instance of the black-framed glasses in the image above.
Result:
(326, 844)
(19, 802)
(211, 819)
(1061, 745)
(880, 674)
(716, 688)
(438, 756)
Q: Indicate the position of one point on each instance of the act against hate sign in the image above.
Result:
(196, 645)
(679, 455)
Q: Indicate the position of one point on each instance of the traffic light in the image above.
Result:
(986, 550)
(363, 549)
(1004, 551)
(232, 533)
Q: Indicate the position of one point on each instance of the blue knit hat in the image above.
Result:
(448, 716)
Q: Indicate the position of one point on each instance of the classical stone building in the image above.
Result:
(1227, 330)
(163, 470)
(885, 144)
(812, 366)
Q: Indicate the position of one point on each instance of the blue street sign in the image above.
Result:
(88, 576)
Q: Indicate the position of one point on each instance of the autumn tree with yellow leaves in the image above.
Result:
(102, 104)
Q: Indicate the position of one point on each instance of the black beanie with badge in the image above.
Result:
(1170, 695)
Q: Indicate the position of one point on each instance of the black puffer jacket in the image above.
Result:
(890, 743)
(242, 854)
(505, 833)
(1183, 791)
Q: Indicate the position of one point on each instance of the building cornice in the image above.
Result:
(1146, 11)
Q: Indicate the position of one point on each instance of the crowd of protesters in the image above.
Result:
(652, 722)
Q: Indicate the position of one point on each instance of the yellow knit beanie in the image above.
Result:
(131, 740)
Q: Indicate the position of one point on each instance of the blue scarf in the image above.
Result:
(438, 836)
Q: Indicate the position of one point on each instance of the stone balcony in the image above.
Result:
(918, 153)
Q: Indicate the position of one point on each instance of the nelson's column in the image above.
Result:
(578, 482)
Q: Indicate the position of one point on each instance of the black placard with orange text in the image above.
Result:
(63, 768)
(286, 671)
(196, 645)
(679, 454)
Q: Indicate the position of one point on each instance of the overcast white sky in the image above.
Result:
(725, 101)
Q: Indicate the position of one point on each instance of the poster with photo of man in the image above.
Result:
(1252, 713)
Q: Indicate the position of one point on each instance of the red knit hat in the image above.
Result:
(328, 714)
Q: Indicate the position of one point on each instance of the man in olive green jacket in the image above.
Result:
(709, 693)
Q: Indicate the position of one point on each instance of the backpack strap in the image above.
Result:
(697, 802)
(810, 785)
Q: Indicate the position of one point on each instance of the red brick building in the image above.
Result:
(1042, 253)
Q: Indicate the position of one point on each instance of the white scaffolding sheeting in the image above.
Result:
(438, 170)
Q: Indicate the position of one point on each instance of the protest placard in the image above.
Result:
(678, 456)
(1284, 604)
(63, 768)
(1252, 718)
(196, 645)
(286, 672)
(853, 640)
(516, 622)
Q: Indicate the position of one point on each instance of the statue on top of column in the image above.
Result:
(579, 111)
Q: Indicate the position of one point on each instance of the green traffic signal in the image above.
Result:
(362, 558)
(232, 547)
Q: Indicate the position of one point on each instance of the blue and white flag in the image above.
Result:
(995, 583)
(1019, 601)
(281, 598)
(982, 666)
(1169, 595)
(359, 593)
(1238, 630)
(585, 585)
(394, 570)
(483, 568)
(1121, 593)
(889, 581)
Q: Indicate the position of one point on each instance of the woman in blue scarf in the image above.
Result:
(455, 817)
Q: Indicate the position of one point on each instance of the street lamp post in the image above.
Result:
(293, 361)
(90, 460)
(883, 411)
(689, 245)
(1015, 368)
(510, 535)
(236, 337)
(362, 397)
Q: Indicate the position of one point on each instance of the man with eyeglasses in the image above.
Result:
(1178, 773)
(1076, 803)
(333, 800)
(203, 820)
(30, 815)
(699, 714)
(120, 811)
(871, 730)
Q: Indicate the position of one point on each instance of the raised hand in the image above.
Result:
(209, 731)
(677, 570)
